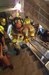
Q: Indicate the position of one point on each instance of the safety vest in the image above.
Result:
(2, 29)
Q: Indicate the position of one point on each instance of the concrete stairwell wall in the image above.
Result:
(43, 5)
(37, 12)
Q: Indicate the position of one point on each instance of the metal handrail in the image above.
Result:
(41, 44)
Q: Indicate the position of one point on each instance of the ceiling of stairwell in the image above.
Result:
(6, 4)
(11, 3)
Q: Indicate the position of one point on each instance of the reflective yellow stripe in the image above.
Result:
(2, 29)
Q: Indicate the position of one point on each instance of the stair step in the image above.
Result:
(38, 64)
(45, 71)
(38, 72)
(34, 58)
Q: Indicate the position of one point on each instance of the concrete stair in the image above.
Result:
(25, 64)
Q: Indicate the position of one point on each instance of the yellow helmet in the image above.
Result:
(27, 21)
(17, 14)
(3, 21)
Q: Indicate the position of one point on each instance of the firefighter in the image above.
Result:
(27, 20)
(15, 34)
(3, 56)
(30, 30)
